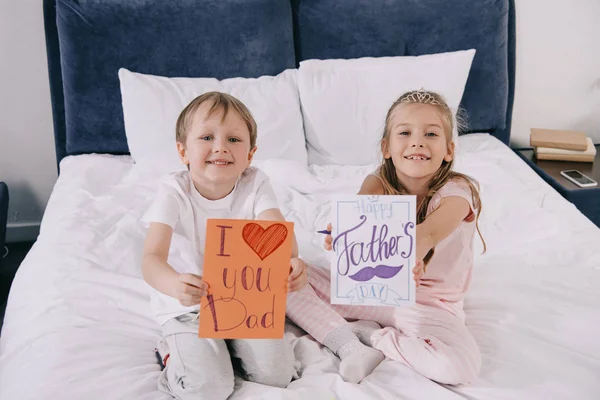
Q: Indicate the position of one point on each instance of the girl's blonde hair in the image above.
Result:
(387, 170)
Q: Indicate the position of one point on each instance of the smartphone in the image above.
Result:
(578, 178)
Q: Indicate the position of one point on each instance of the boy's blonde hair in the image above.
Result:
(387, 170)
(220, 102)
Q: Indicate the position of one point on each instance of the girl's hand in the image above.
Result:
(298, 275)
(418, 272)
(328, 239)
(189, 288)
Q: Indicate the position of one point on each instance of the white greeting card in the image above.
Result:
(374, 240)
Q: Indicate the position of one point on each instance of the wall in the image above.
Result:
(557, 86)
(558, 67)
(27, 158)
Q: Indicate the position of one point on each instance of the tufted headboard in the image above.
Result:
(89, 40)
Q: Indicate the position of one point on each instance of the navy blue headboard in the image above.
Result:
(88, 41)
(378, 28)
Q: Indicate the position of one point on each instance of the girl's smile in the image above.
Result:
(417, 157)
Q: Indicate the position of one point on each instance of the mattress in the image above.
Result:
(78, 322)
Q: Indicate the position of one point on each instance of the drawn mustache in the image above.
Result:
(380, 271)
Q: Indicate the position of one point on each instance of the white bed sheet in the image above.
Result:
(78, 322)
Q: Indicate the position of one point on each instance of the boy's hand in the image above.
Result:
(328, 239)
(189, 288)
(418, 272)
(298, 275)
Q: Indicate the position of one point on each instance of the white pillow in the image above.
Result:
(151, 105)
(344, 102)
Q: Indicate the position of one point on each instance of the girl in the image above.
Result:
(431, 337)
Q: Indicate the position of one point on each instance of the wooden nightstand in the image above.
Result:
(587, 200)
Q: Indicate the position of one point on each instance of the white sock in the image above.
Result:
(364, 329)
(357, 360)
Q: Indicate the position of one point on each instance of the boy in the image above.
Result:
(216, 140)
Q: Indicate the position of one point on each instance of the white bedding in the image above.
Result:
(78, 322)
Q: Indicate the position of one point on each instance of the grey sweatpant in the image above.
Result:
(201, 368)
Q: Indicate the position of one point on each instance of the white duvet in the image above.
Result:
(78, 323)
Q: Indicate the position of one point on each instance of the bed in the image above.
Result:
(78, 322)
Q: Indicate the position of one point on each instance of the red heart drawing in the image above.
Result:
(264, 241)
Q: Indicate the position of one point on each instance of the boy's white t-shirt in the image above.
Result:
(179, 205)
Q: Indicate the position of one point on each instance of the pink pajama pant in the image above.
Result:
(429, 337)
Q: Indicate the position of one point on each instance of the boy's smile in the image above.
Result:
(219, 163)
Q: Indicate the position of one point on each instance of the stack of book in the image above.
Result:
(562, 145)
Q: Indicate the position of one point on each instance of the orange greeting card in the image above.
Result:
(246, 265)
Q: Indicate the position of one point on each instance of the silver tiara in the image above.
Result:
(420, 96)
